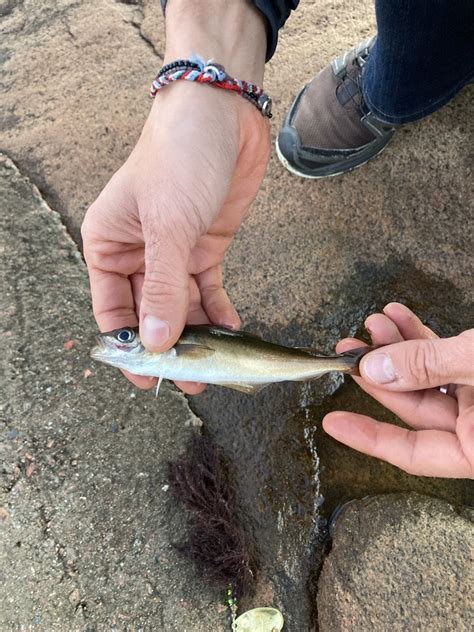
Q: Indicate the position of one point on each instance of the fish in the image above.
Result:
(215, 355)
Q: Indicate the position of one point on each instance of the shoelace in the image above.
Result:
(354, 96)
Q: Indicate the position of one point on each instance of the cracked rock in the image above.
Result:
(79, 543)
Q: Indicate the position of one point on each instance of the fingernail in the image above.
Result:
(379, 368)
(230, 324)
(155, 332)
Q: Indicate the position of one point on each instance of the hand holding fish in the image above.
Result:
(405, 377)
(155, 237)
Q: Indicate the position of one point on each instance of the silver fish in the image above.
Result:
(215, 355)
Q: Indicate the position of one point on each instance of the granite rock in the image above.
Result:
(398, 562)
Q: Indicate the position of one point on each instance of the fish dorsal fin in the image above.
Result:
(215, 330)
(193, 350)
(243, 387)
(224, 331)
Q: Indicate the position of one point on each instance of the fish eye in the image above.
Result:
(125, 335)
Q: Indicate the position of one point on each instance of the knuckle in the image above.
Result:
(213, 291)
(86, 226)
(162, 283)
(411, 465)
(89, 224)
(424, 362)
(465, 432)
(463, 352)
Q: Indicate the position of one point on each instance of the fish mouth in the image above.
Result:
(100, 350)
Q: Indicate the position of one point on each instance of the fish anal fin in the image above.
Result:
(193, 350)
(243, 387)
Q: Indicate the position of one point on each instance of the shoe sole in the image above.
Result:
(308, 176)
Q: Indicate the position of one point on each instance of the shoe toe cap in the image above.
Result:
(289, 142)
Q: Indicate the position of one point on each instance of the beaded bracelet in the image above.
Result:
(196, 69)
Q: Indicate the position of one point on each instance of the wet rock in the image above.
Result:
(398, 562)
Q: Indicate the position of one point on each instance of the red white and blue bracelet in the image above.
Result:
(196, 69)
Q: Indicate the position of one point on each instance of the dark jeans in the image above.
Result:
(423, 56)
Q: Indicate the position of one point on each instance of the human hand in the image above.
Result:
(405, 377)
(155, 238)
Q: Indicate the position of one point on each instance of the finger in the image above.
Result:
(382, 330)
(408, 323)
(165, 293)
(465, 429)
(422, 452)
(420, 364)
(191, 388)
(114, 307)
(215, 299)
(112, 300)
(346, 344)
(419, 409)
(196, 312)
(136, 281)
(465, 397)
(196, 316)
(141, 381)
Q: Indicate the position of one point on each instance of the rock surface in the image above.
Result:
(399, 562)
(311, 262)
(75, 78)
(87, 524)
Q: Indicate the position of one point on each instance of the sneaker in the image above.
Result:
(329, 129)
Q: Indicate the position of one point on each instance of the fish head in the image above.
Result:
(120, 347)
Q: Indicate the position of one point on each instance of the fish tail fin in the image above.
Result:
(350, 359)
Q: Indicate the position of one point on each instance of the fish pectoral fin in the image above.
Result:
(160, 380)
(193, 350)
(243, 387)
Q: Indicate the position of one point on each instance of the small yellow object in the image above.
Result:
(260, 620)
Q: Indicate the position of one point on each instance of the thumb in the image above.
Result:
(419, 364)
(165, 294)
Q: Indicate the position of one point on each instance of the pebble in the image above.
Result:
(74, 596)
